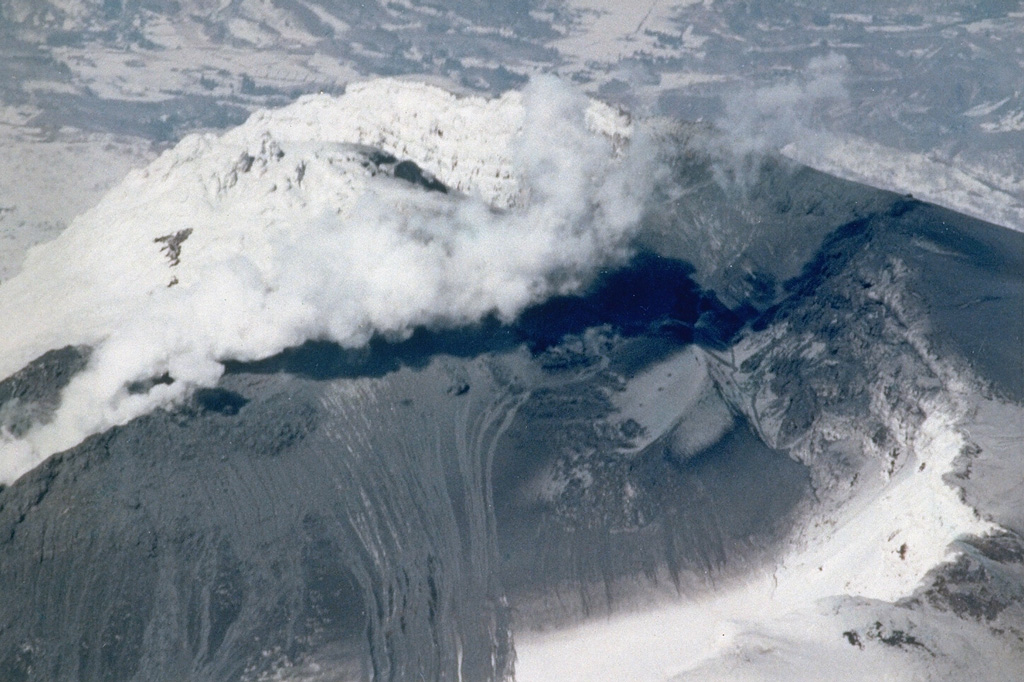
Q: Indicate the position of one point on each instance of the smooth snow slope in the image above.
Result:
(970, 189)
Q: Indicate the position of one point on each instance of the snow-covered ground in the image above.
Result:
(963, 186)
(49, 179)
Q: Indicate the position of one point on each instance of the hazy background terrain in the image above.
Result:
(925, 97)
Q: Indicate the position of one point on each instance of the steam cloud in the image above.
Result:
(761, 120)
(263, 273)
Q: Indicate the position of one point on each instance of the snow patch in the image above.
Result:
(675, 397)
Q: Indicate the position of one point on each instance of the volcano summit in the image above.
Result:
(404, 385)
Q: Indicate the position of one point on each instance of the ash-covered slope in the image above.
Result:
(395, 404)
(273, 519)
(364, 521)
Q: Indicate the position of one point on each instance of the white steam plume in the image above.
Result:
(280, 232)
(758, 121)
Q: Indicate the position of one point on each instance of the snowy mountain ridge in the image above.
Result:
(967, 188)
(878, 442)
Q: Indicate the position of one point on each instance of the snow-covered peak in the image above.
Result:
(317, 221)
(467, 142)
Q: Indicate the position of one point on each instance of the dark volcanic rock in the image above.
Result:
(379, 526)
(410, 172)
(221, 544)
(31, 395)
(985, 583)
